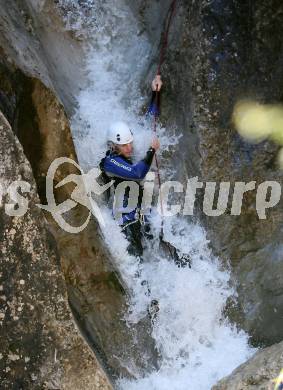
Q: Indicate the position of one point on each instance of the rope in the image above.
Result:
(160, 192)
(171, 13)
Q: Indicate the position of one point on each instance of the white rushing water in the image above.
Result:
(197, 345)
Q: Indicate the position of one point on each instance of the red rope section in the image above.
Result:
(171, 13)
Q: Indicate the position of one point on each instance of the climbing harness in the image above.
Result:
(128, 224)
(139, 217)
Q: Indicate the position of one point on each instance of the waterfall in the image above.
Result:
(197, 345)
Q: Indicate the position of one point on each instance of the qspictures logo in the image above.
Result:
(86, 185)
(88, 188)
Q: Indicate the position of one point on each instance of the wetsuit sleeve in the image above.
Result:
(118, 167)
(154, 106)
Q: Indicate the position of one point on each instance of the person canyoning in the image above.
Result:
(117, 165)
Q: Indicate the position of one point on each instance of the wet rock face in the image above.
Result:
(222, 51)
(259, 372)
(34, 37)
(38, 338)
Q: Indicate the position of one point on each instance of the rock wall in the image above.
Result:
(34, 37)
(261, 372)
(40, 344)
(219, 52)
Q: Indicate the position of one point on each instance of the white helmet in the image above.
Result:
(120, 134)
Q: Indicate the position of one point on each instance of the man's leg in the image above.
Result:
(133, 234)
